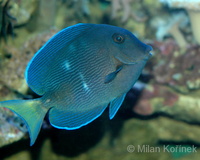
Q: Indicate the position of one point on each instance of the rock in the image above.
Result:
(159, 132)
(13, 86)
(12, 128)
(164, 100)
(15, 60)
(22, 10)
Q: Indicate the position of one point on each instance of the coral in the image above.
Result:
(23, 10)
(171, 27)
(175, 87)
(192, 4)
(14, 14)
(126, 7)
(6, 20)
(80, 11)
(194, 19)
(83, 6)
(46, 14)
(176, 69)
(166, 97)
(193, 9)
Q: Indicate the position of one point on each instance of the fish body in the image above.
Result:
(78, 73)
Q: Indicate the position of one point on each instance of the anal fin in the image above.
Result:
(70, 120)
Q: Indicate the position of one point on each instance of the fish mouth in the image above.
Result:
(148, 53)
(148, 56)
(145, 58)
(127, 60)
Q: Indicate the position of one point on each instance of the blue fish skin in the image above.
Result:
(78, 72)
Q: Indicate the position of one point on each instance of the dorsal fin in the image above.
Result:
(41, 60)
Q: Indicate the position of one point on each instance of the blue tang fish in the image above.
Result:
(78, 73)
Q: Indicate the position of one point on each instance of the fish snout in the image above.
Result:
(148, 51)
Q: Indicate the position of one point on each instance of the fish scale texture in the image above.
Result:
(37, 69)
(83, 112)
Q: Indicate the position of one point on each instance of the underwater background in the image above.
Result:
(160, 116)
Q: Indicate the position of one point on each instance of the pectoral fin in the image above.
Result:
(110, 77)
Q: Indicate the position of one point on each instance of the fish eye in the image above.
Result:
(118, 38)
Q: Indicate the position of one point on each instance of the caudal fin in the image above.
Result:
(30, 111)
